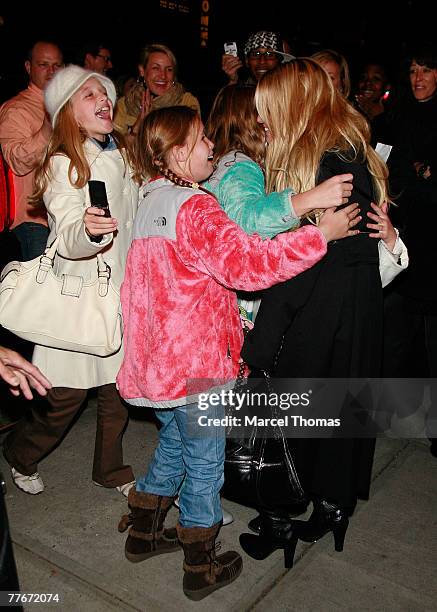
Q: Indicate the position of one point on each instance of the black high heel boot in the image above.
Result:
(291, 510)
(275, 533)
(325, 517)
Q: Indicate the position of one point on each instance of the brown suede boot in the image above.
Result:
(147, 536)
(203, 571)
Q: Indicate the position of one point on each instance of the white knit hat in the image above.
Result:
(66, 82)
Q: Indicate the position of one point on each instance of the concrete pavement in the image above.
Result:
(66, 541)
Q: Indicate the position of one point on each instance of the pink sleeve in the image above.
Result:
(211, 242)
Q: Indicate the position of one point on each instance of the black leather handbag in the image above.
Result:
(259, 470)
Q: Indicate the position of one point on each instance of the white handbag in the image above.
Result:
(63, 312)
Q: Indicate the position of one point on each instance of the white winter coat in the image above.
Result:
(66, 206)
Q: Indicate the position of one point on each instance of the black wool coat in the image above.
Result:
(327, 322)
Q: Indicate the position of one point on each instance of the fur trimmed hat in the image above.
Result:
(66, 82)
(267, 40)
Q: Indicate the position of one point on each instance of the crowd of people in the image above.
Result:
(269, 215)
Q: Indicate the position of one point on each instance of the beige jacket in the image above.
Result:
(66, 206)
(123, 120)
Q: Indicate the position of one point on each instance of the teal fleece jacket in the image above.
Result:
(238, 184)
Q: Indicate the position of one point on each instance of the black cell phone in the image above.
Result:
(98, 197)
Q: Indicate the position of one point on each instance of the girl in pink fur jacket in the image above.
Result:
(182, 334)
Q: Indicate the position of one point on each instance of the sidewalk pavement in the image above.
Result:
(66, 541)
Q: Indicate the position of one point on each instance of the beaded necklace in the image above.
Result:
(177, 180)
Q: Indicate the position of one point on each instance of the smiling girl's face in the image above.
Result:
(193, 160)
(92, 109)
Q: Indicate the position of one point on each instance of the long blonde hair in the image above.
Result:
(68, 139)
(307, 118)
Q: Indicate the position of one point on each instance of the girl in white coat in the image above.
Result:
(83, 147)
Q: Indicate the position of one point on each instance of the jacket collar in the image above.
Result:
(155, 183)
(93, 151)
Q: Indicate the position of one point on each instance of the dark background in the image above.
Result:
(371, 29)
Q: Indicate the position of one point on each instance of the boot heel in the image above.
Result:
(339, 532)
(289, 550)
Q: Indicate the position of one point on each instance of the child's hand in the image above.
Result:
(336, 224)
(332, 192)
(96, 224)
(382, 225)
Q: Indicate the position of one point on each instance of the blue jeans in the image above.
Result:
(191, 456)
(32, 238)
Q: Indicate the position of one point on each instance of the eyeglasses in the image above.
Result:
(106, 58)
(268, 55)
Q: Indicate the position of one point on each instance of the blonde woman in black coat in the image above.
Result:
(327, 322)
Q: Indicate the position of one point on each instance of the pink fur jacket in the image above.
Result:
(181, 321)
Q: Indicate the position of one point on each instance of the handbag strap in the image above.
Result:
(240, 380)
(104, 275)
(47, 261)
